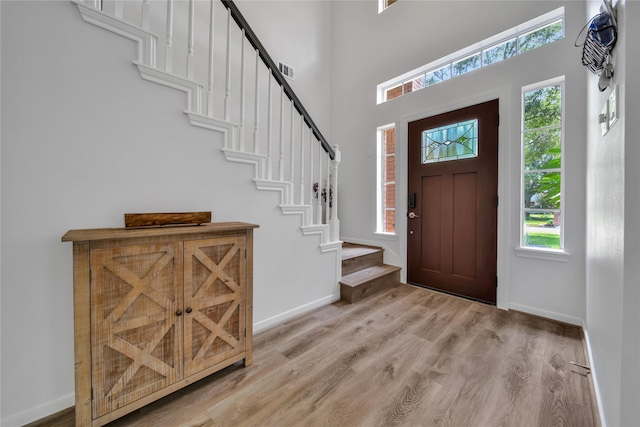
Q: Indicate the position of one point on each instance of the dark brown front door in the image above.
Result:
(453, 193)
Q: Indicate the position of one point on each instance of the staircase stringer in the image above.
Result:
(228, 129)
(146, 40)
(257, 160)
(192, 89)
(146, 63)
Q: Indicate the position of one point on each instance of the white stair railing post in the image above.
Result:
(227, 86)
(211, 61)
(190, 40)
(146, 19)
(311, 181)
(119, 9)
(327, 203)
(168, 50)
(269, 138)
(256, 114)
(281, 157)
(334, 222)
(242, 90)
(301, 160)
(291, 157)
(320, 186)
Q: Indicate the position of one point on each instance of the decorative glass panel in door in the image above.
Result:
(451, 142)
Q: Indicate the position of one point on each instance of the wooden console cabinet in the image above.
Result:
(155, 310)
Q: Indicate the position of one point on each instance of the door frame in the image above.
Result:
(504, 96)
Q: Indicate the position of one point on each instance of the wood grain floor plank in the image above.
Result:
(440, 317)
(356, 406)
(470, 383)
(406, 357)
(350, 356)
(273, 390)
(565, 399)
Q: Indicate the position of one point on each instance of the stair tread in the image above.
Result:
(363, 276)
(351, 250)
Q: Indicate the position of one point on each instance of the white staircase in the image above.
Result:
(212, 67)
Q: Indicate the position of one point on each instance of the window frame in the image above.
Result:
(531, 26)
(381, 183)
(523, 250)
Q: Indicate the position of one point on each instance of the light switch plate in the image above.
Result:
(613, 106)
(604, 118)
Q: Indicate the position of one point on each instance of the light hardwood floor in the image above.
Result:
(405, 357)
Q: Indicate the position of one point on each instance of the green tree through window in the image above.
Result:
(520, 41)
(542, 167)
(540, 37)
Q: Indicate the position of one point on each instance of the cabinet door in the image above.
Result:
(136, 338)
(214, 300)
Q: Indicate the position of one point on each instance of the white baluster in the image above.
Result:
(301, 160)
(146, 21)
(119, 9)
(269, 141)
(211, 61)
(227, 87)
(334, 222)
(281, 158)
(311, 177)
(320, 185)
(190, 41)
(168, 56)
(328, 181)
(256, 114)
(291, 164)
(242, 86)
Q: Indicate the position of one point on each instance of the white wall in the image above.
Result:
(370, 48)
(84, 140)
(298, 34)
(613, 230)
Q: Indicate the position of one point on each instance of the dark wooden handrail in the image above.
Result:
(253, 39)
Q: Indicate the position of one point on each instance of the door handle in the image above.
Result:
(413, 215)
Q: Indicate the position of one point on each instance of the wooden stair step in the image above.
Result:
(360, 284)
(352, 250)
(359, 257)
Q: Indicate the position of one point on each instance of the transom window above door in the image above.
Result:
(537, 32)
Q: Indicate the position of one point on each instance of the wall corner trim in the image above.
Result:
(593, 373)
(288, 315)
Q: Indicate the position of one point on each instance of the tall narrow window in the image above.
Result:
(542, 143)
(386, 179)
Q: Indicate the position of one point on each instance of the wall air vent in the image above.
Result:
(285, 69)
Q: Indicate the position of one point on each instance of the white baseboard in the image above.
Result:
(593, 374)
(573, 321)
(548, 314)
(44, 410)
(287, 315)
(39, 412)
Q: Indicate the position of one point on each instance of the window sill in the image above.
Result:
(385, 236)
(544, 254)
